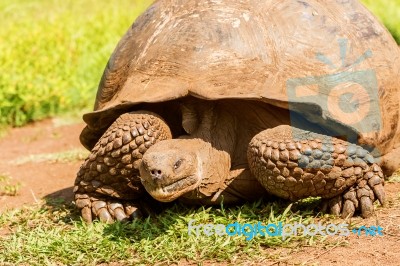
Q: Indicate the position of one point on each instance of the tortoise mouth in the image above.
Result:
(171, 191)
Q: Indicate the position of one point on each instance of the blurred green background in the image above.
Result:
(52, 52)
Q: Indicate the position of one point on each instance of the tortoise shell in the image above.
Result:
(332, 62)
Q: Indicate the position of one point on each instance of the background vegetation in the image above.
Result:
(388, 12)
(52, 52)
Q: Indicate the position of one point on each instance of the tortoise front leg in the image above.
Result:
(295, 164)
(108, 183)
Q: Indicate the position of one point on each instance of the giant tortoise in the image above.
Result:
(222, 100)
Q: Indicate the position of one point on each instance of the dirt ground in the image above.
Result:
(55, 179)
(38, 179)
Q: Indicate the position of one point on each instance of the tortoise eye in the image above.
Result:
(178, 164)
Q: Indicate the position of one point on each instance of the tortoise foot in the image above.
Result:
(295, 164)
(106, 209)
(358, 199)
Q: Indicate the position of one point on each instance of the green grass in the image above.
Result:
(7, 186)
(53, 52)
(388, 12)
(395, 178)
(54, 234)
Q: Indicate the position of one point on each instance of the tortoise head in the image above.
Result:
(172, 168)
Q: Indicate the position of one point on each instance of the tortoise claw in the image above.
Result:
(117, 210)
(99, 209)
(84, 203)
(356, 199)
(351, 195)
(87, 214)
(367, 209)
(348, 209)
(133, 212)
(379, 193)
(105, 216)
(335, 205)
(120, 215)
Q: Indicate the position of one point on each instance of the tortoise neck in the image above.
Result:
(216, 126)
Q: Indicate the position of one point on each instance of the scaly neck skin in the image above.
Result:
(215, 166)
(210, 122)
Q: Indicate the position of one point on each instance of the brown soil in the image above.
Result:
(39, 179)
(55, 179)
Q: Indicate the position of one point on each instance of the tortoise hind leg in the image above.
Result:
(293, 164)
(108, 183)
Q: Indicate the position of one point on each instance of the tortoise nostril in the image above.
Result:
(156, 174)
